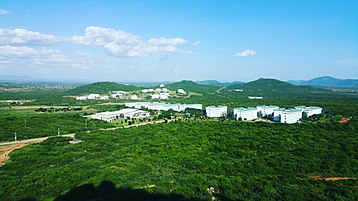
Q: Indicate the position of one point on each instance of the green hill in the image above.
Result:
(191, 86)
(217, 83)
(328, 81)
(101, 88)
(273, 87)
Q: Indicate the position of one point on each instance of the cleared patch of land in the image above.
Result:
(344, 120)
(5, 150)
(7, 147)
(330, 178)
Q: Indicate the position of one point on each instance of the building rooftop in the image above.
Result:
(308, 107)
(288, 110)
(245, 108)
(268, 106)
(219, 106)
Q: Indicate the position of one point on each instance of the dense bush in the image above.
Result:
(254, 161)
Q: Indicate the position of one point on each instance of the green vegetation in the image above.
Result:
(101, 88)
(272, 87)
(191, 86)
(179, 159)
(255, 161)
(217, 83)
(30, 124)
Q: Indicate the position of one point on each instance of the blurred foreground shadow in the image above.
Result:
(107, 191)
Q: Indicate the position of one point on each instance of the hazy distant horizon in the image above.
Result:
(32, 79)
(157, 41)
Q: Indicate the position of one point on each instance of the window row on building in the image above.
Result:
(283, 115)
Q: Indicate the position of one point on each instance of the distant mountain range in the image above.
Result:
(217, 83)
(14, 78)
(28, 79)
(327, 81)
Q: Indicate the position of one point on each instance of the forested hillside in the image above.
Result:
(217, 83)
(241, 161)
(328, 81)
(192, 87)
(101, 88)
(275, 88)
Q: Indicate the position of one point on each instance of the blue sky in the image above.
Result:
(176, 40)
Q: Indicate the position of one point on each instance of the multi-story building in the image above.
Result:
(266, 110)
(124, 113)
(163, 106)
(310, 110)
(245, 113)
(289, 116)
(216, 111)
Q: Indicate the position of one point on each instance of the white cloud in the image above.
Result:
(4, 12)
(120, 43)
(78, 61)
(43, 56)
(166, 41)
(245, 53)
(20, 36)
(24, 51)
(196, 43)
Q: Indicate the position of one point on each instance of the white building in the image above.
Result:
(266, 110)
(255, 97)
(161, 85)
(145, 90)
(93, 96)
(119, 92)
(134, 97)
(181, 91)
(310, 110)
(103, 97)
(117, 95)
(216, 111)
(81, 98)
(165, 90)
(194, 106)
(124, 113)
(289, 116)
(163, 106)
(245, 113)
(151, 90)
(155, 96)
(164, 96)
(238, 90)
(158, 90)
(137, 105)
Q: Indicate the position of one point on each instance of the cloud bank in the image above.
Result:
(122, 44)
(4, 12)
(245, 53)
(20, 36)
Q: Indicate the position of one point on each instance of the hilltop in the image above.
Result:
(191, 86)
(273, 87)
(327, 81)
(217, 83)
(101, 88)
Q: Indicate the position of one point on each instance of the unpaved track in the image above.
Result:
(7, 147)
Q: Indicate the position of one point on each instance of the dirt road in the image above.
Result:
(7, 147)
